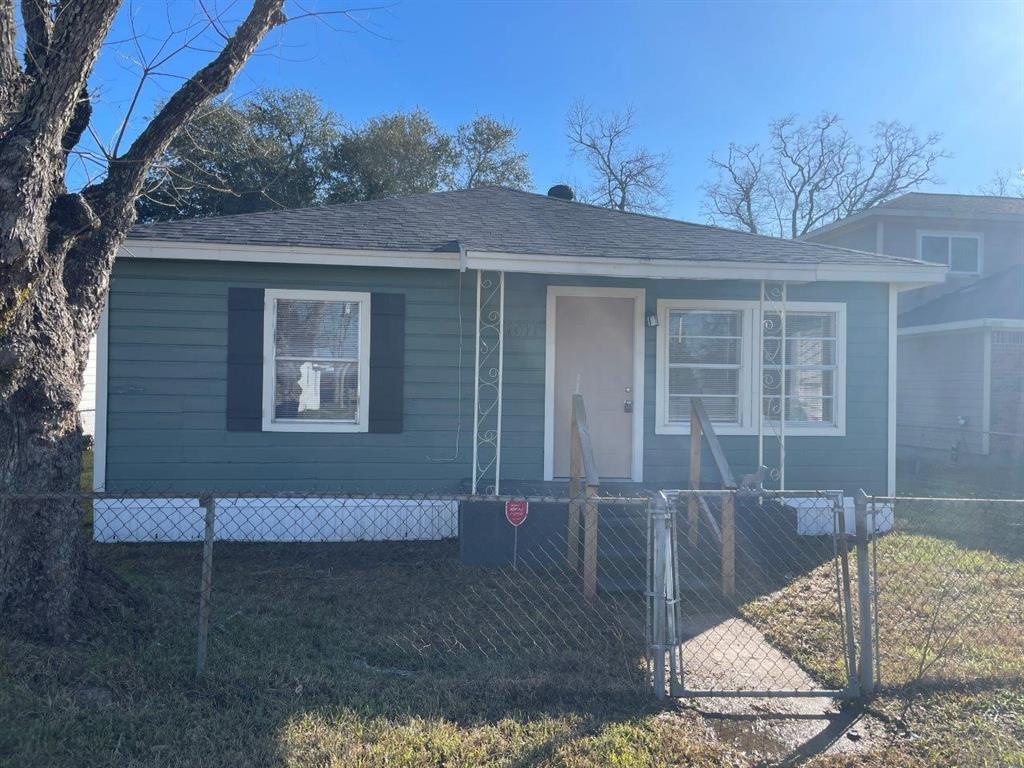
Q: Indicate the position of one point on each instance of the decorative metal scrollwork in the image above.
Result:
(488, 374)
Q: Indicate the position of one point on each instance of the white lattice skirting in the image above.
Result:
(276, 519)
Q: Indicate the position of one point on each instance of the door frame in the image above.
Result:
(639, 302)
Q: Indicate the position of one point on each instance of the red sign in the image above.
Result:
(516, 512)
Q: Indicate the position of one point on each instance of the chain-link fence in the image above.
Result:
(735, 592)
(493, 588)
(750, 578)
(949, 589)
(774, 594)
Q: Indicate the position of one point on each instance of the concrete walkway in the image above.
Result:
(728, 653)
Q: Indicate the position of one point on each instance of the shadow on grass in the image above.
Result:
(352, 653)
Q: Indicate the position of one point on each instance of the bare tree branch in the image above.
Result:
(814, 173)
(38, 25)
(625, 178)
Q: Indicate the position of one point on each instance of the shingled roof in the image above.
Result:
(956, 206)
(499, 220)
(999, 296)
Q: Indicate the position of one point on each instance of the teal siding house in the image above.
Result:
(431, 344)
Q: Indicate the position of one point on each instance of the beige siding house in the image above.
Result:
(960, 383)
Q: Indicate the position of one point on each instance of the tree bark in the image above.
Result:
(56, 254)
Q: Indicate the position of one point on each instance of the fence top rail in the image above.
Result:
(953, 499)
(284, 496)
(579, 420)
(789, 493)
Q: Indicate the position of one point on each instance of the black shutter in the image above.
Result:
(387, 361)
(245, 360)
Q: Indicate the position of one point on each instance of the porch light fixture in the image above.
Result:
(652, 319)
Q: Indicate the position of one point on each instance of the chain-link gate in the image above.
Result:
(749, 590)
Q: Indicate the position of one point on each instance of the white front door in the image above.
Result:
(595, 341)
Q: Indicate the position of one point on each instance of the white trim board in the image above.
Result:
(986, 393)
(899, 271)
(891, 413)
(361, 423)
(995, 323)
(639, 352)
(99, 451)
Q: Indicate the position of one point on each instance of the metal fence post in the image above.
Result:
(867, 658)
(659, 597)
(206, 583)
(845, 588)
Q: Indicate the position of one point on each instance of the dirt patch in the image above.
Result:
(729, 654)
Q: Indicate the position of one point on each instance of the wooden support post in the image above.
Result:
(590, 544)
(693, 508)
(575, 471)
(205, 583)
(729, 544)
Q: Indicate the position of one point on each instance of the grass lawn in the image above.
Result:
(333, 655)
(396, 655)
(951, 620)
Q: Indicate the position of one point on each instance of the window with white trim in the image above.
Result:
(960, 252)
(709, 348)
(800, 357)
(704, 357)
(316, 361)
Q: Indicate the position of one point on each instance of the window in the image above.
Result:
(316, 361)
(961, 252)
(802, 359)
(704, 358)
(710, 349)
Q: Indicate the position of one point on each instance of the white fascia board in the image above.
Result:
(705, 270)
(284, 254)
(995, 323)
(1011, 218)
(900, 273)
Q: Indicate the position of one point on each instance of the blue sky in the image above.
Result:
(698, 74)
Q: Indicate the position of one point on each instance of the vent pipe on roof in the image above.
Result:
(562, 192)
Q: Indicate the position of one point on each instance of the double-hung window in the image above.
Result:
(730, 354)
(316, 361)
(705, 357)
(800, 367)
(960, 251)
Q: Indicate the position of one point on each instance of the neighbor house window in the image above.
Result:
(712, 349)
(800, 367)
(960, 252)
(705, 355)
(316, 361)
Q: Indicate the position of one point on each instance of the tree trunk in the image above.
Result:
(56, 253)
(42, 547)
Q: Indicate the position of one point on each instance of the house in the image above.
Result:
(432, 343)
(961, 341)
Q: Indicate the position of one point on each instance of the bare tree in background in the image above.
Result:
(1007, 183)
(813, 173)
(56, 251)
(624, 176)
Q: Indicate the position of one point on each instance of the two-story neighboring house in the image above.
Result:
(961, 344)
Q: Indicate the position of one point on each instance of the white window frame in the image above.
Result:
(750, 368)
(747, 380)
(361, 423)
(838, 427)
(949, 234)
